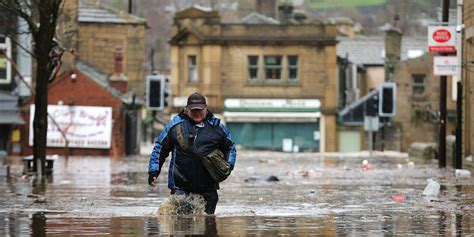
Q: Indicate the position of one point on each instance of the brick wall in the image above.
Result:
(97, 46)
(83, 92)
(67, 31)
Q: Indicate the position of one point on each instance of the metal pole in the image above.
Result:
(442, 104)
(371, 136)
(458, 157)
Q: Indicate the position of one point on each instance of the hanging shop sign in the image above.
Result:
(442, 39)
(445, 65)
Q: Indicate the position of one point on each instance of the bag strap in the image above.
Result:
(185, 146)
(180, 137)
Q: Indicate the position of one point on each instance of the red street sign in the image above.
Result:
(441, 36)
(442, 39)
(442, 49)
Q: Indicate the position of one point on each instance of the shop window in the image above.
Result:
(292, 68)
(419, 85)
(252, 67)
(192, 69)
(272, 67)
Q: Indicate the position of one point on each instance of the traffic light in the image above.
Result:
(155, 92)
(387, 99)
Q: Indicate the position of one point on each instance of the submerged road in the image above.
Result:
(333, 194)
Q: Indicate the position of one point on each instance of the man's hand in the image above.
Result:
(152, 176)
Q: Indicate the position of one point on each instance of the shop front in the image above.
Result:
(274, 124)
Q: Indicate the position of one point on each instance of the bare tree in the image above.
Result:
(41, 16)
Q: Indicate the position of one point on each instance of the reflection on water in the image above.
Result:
(43, 224)
(314, 196)
(38, 224)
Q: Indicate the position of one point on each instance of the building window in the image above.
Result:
(5, 67)
(292, 67)
(192, 69)
(272, 67)
(253, 67)
(418, 85)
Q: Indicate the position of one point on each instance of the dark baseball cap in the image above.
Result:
(196, 101)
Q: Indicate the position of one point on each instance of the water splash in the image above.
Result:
(192, 204)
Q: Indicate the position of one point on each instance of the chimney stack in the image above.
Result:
(393, 47)
(285, 13)
(266, 7)
(118, 80)
(118, 56)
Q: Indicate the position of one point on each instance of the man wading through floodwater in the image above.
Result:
(203, 153)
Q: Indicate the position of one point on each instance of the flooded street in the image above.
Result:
(315, 195)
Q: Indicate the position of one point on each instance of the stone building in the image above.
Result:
(418, 102)
(362, 69)
(270, 80)
(467, 77)
(94, 31)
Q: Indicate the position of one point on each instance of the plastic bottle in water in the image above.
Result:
(460, 173)
(432, 188)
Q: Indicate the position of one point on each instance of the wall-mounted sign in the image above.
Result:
(84, 126)
(445, 65)
(442, 39)
(272, 103)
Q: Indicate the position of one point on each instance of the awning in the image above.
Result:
(11, 117)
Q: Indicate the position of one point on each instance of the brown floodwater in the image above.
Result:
(315, 195)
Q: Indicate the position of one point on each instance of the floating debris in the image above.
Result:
(366, 165)
(461, 173)
(304, 173)
(399, 198)
(32, 195)
(40, 200)
(270, 178)
(432, 188)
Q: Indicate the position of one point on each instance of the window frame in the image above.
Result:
(292, 67)
(253, 67)
(193, 74)
(273, 67)
(7, 47)
(417, 85)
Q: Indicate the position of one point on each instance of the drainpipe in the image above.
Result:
(459, 30)
(458, 92)
(23, 58)
(322, 134)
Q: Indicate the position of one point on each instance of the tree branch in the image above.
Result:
(22, 47)
(17, 10)
(63, 134)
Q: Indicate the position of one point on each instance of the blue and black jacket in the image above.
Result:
(185, 169)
